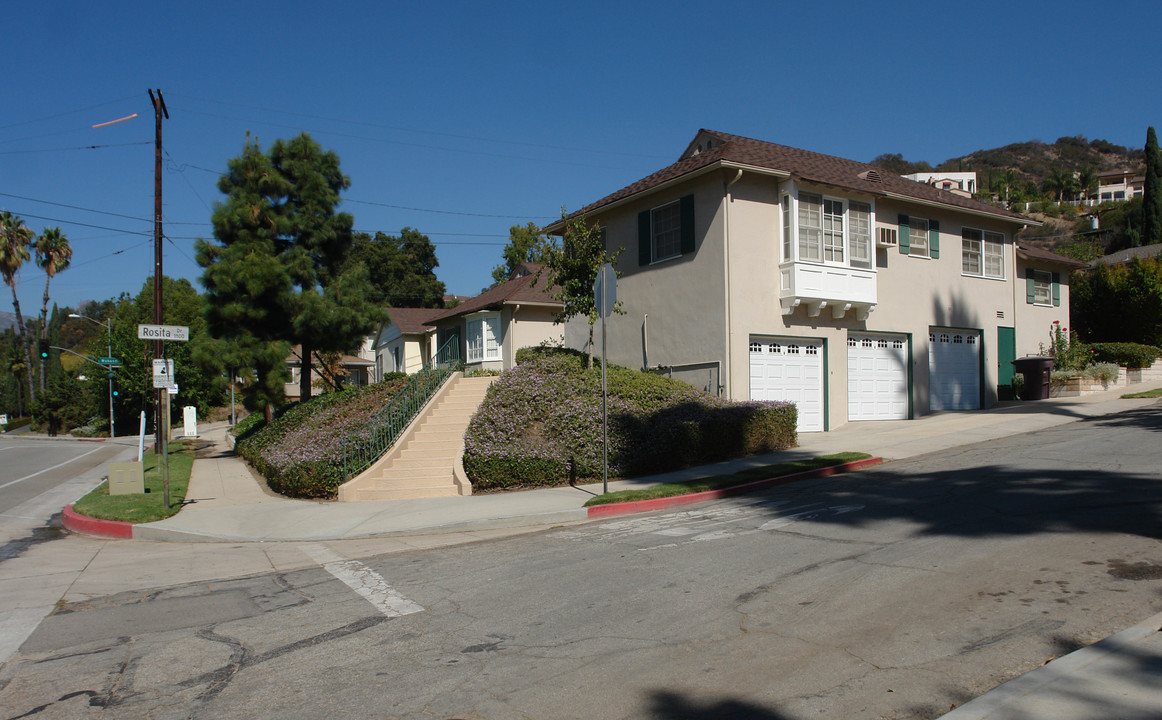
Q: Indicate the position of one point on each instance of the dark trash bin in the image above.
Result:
(1036, 370)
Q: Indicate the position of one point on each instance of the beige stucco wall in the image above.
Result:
(704, 308)
(527, 326)
(683, 296)
(1035, 322)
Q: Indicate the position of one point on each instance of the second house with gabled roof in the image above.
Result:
(761, 271)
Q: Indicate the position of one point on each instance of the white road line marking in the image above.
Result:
(54, 467)
(364, 581)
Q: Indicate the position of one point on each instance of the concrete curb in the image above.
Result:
(92, 526)
(1058, 670)
(640, 506)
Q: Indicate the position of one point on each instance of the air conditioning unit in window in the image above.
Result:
(886, 237)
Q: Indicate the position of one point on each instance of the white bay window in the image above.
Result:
(482, 337)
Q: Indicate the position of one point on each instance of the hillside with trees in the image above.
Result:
(1049, 182)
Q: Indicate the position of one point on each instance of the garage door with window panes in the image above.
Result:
(877, 377)
(790, 369)
(953, 369)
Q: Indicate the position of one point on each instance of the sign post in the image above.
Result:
(163, 378)
(604, 298)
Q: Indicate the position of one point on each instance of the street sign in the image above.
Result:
(163, 332)
(162, 373)
(108, 361)
(605, 290)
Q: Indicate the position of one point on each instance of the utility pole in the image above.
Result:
(159, 110)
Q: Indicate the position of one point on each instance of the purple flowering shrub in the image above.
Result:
(540, 424)
(301, 453)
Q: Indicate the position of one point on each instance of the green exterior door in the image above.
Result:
(1006, 354)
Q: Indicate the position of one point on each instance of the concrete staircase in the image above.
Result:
(426, 461)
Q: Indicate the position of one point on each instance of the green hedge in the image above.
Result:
(540, 424)
(1128, 355)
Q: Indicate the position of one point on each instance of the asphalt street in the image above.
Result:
(898, 592)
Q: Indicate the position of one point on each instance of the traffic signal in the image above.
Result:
(44, 348)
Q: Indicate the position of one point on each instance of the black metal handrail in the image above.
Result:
(376, 436)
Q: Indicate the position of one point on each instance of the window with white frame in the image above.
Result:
(832, 230)
(666, 240)
(918, 236)
(982, 253)
(810, 226)
(829, 230)
(859, 234)
(1042, 288)
(483, 337)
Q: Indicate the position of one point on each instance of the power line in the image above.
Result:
(70, 112)
(450, 212)
(74, 207)
(67, 149)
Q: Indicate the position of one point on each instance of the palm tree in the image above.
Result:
(1086, 180)
(14, 240)
(53, 254)
(1058, 182)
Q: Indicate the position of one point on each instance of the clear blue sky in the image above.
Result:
(461, 119)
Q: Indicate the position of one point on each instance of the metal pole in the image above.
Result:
(165, 451)
(109, 329)
(604, 407)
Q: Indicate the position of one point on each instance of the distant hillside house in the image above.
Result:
(1119, 185)
(1127, 255)
(960, 183)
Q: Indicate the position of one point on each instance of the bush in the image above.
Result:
(1128, 355)
(540, 424)
(301, 453)
(1068, 352)
(1102, 372)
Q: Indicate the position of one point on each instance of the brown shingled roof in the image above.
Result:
(811, 167)
(529, 286)
(1036, 253)
(410, 321)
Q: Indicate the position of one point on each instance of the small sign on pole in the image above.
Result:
(163, 373)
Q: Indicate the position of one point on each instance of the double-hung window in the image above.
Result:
(982, 253)
(918, 237)
(833, 230)
(859, 234)
(666, 237)
(483, 337)
(1043, 287)
(810, 227)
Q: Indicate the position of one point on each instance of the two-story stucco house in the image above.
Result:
(768, 272)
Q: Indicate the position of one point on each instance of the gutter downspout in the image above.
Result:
(727, 200)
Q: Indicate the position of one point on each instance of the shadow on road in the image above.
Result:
(669, 705)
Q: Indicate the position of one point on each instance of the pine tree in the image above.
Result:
(1152, 198)
(278, 273)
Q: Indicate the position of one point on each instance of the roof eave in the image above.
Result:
(971, 211)
(559, 225)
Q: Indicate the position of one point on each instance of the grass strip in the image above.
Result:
(1156, 392)
(718, 482)
(145, 507)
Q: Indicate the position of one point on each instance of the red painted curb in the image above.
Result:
(640, 506)
(93, 526)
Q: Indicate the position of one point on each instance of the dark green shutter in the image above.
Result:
(644, 239)
(1030, 291)
(934, 238)
(1056, 290)
(686, 213)
(905, 239)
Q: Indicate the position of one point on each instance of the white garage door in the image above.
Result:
(953, 369)
(877, 377)
(790, 369)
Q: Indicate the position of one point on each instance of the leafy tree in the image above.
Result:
(15, 237)
(401, 270)
(573, 266)
(526, 243)
(279, 272)
(1118, 302)
(53, 254)
(1152, 195)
